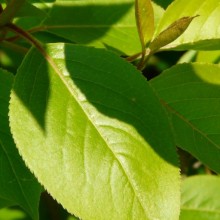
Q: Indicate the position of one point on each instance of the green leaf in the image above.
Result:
(17, 184)
(29, 10)
(145, 20)
(101, 23)
(99, 142)
(191, 94)
(12, 214)
(171, 33)
(5, 203)
(204, 31)
(200, 198)
(208, 56)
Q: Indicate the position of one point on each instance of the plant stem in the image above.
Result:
(10, 11)
(26, 36)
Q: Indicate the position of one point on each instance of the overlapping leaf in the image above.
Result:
(17, 184)
(200, 198)
(99, 140)
(191, 93)
(204, 31)
(102, 23)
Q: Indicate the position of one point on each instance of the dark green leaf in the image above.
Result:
(17, 184)
(191, 94)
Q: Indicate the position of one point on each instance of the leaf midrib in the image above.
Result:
(61, 76)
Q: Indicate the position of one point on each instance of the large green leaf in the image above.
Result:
(17, 184)
(191, 93)
(204, 31)
(100, 23)
(200, 198)
(97, 136)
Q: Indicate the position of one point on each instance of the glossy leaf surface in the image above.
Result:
(191, 94)
(98, 132)
(200, 198)
(204, 31)
(17, 184)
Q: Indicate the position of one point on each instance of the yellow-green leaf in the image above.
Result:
(145, 20)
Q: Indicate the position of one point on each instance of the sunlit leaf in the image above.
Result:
(208, 56)
(100, 23)
(200, 198)
(99, 142)
(145, 20)
(203, 33)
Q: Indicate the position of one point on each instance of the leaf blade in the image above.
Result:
(145, 21)
(190, 93)
(200, 201)
(17, 184)
(203, 33)
(97, 136)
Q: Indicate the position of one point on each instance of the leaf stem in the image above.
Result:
(27, 36)
(10, 11)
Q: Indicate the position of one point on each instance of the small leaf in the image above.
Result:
(17, 184)
(203, 33)
(200, 198)
(191, 94)
(171, 33)
(145, 20)
(99, 142)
